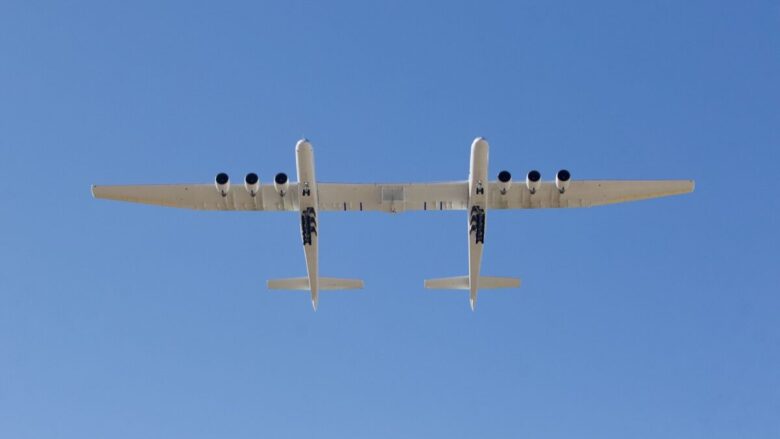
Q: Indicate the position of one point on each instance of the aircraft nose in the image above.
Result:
(303, 145)
(479, 142)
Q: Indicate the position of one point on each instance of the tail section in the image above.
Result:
(464, 283)
(325, 284)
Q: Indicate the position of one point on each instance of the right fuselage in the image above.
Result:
(477, 208)
(307, 206)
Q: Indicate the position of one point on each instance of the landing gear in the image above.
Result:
(478, 223)
(308, 224)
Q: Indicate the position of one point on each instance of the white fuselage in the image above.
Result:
(477, 209)
(307, 206)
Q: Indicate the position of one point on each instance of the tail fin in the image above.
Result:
(462, 283)
(325, 283)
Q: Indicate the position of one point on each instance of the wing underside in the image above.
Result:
(201, 196)
(332, 196)
(455, 196)
(396, 197)
(586, 193)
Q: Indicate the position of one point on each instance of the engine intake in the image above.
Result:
(504, 181)
(222, 182)
(252, 183)
(281, 183)
(533, 181)
(562, 180)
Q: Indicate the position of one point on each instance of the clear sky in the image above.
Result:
(644, 320)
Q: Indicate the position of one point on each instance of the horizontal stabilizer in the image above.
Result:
(448, 283)
(462, 283)
(293, 283)
(325, 283)
(334, 283)
(488, 282)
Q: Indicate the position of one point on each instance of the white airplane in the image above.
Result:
(476, 195)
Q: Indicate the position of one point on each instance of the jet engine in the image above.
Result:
(222, 182)
(252, 183)
(504, 182)
(281, 183)
(562, 180)
(533, 181)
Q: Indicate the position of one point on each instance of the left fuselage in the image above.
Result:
(307, 205)
(478, 197)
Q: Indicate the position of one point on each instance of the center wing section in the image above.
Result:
(585, 193)
(393, 198)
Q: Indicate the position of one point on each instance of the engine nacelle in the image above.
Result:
(222, 182)
(281, 183)
(504, 182)
(562, 180)
(533, 181)
(252, 183)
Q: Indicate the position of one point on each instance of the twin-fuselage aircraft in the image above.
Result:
(476, 195)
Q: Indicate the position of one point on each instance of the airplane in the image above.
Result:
(476, 195)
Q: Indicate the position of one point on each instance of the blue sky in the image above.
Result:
(652, 319)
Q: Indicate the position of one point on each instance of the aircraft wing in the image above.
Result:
(201, 196)
(389, 197)
(585, 193)
(332, 196)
